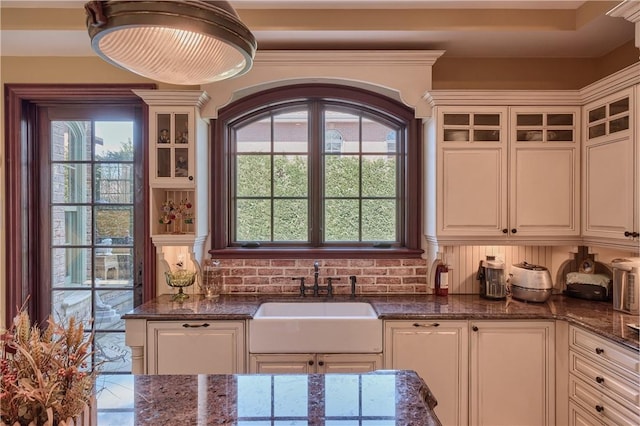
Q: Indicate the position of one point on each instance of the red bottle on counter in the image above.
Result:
(442, 280)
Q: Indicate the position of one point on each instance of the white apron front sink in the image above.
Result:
(315, 327)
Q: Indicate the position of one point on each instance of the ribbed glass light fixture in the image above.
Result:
(186, 42)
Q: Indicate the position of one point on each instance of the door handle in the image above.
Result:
(205, 325)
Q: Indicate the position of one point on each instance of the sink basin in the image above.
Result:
(315, 327)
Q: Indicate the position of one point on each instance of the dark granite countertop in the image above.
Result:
(389, 397)
(598, 317)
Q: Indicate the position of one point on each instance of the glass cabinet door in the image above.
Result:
(173, 145)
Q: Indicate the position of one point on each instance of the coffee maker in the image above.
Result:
(492, 279)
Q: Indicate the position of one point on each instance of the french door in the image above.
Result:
(90, 176)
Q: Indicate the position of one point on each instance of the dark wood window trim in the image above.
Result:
(220, 195)
(23, 259)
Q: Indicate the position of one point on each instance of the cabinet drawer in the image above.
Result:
(579, 416)
(600, 406)
(604, 351)
(605, 380)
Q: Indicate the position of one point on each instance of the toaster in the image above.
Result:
(530, 283)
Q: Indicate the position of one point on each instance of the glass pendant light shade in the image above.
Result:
(177, 42)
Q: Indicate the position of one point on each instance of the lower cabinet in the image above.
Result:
(604, 381)
(511, 373)
(438, 352)
(195, 347)
(481, 372)
(314, 363)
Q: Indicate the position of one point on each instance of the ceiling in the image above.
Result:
(489, 29)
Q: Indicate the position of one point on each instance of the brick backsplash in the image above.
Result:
(373, 276)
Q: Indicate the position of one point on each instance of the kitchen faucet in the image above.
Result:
(316, 282)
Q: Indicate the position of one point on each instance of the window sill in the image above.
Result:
(314, 253)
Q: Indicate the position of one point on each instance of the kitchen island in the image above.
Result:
(382, 398)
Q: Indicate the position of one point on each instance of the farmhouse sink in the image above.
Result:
(315, 327)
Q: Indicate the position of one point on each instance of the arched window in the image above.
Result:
(311, 168)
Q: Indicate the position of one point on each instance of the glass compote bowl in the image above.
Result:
(180, 279)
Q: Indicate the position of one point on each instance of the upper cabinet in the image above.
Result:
(611, 188)
(178, 171)
(505, 174)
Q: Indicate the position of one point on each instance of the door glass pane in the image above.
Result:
(182, 128)
(456, 135)
(70, 140)
(560, 135)
(486, 119)
(560, 119)
(486, 135)
(619, 124)
(114, 183)
(71, 267)
(597, 114)
(113, 141)
(70, 183)
(164, 162)
(71, 224)
(456, 119)
(182, 162)
(597, 130)
(618, 107)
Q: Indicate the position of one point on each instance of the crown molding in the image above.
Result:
(196, 98)
(617, 81)
(503, 97)
(348, 57)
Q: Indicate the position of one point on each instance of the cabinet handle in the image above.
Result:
(600, 379)
(310, 362)
(505, 231)
(514, 231)
(190, 177)
(205, 325)
(599, 351)
(627, 234)
(474, 328)
(435, 324)
(635, 234)
(599, 408)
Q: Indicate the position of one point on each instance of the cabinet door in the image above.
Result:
(472, 192)
(471, 167)
(609, 160)
(282, 363)
(172, 145)
(544, 176)
(438, 352)
(511, 373)
(348, 363)
(196, 347)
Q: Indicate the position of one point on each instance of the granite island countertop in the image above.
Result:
(384, 397)
(598, 317)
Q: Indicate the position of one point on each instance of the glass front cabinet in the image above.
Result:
(178, 179)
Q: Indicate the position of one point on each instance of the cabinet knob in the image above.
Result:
(600, 379)
(190, 177)
(310, 362)
(599, 408)
(205, 325)
(435, 324)
(627, 234)
(320, 363)
(474, 328)
(505, 231)
(514, 231)
(599, 351)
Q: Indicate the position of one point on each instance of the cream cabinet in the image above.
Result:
(604, 380)
(511, 373)
(195, 347)
(186, 347)
(438, 352)
(611, 183)
(313, 363)
(507, 173)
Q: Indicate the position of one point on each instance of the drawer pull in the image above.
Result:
(599, 408)
(599, 351)
(435, 324)
(600, 379)
(310, 362)
(205, 325)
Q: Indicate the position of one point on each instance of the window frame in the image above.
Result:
(221, 169)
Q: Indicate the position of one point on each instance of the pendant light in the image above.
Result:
(188, 42)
